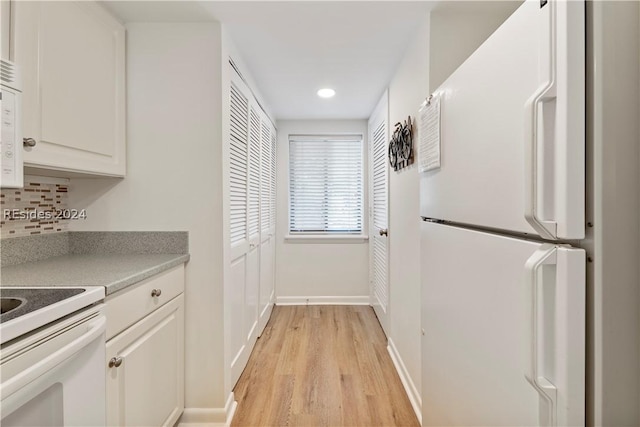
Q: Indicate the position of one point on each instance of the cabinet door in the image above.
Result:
(71, 56)
(147, 388)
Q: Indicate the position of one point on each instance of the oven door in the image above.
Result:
(55, 377)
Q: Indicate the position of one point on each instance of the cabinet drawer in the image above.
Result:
(128, 306)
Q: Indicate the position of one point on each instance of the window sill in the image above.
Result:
(319, 238)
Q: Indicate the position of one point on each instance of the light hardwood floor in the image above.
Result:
(321, 366)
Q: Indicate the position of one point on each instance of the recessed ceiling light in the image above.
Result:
(326, 93)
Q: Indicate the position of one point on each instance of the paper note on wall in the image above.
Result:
(429, 131)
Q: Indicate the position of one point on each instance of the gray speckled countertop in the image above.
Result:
(113, 271)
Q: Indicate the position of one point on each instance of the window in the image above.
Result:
(325, 184)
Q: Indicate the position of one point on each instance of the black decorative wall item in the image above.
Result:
(401, 145)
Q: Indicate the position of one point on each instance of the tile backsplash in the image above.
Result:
(41, 207)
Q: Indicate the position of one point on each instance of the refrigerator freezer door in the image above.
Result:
(504, 323)
(512, 128)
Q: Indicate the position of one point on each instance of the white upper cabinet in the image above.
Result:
(72, 59)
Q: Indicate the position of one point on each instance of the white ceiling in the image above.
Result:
(294, 48)
(158, 11)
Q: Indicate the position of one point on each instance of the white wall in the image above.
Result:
(613, 133)
(230, 50)
(316, 269)
(5, 22)
(408, 88)
(174, 178)
(458, 28)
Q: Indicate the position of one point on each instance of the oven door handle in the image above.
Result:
(96, 328)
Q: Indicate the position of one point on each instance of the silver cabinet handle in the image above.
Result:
(156, 292)
(115, 362)
(29, 142)
(384, 232)
(252, 245)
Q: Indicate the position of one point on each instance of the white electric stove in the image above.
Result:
(52, 357)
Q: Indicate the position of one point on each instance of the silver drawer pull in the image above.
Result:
(156, 292)
(115, 362)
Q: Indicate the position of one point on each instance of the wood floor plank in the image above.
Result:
(321, 366)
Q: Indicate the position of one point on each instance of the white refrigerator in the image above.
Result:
(502, 271)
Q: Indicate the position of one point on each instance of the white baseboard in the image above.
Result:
(409, 386)
(230, 408)
(209, 417)
(324, 300)
(264, 318)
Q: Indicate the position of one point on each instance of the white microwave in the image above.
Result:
(11, 141)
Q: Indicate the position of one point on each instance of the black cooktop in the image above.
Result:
(34, 299)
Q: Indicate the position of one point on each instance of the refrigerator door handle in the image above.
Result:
(545, 255)
(533, 173)
(533, 141)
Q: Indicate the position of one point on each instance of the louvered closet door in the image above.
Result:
(267, 221)
(254, 175)
(273, 182)
(238, 166)
(379, 248)
(242, 284)
(265, 179)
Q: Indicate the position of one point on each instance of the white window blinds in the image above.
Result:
(325, 184)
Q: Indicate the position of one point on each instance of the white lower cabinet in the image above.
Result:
(145, 361)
